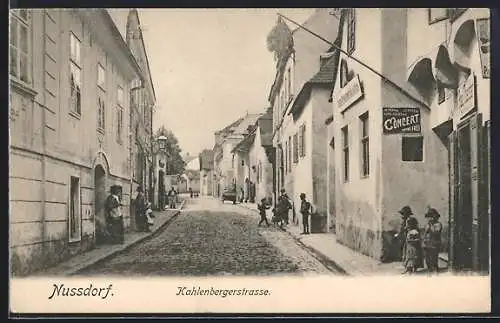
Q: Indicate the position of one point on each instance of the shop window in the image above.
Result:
(365, 146)
(19, 44)
(74, 218)
(437, 14)
(345, 152)
(351, 30)
(413, 148)
(295, 148)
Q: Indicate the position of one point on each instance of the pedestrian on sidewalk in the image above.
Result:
(305, 210)
(149, 217)
(114, 217)
(285, 206)
(432, 240)
(412, 257)
(406, 214)
(172, 195)
(262, 207)
(140, 209)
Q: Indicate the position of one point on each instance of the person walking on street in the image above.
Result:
(190, 192)
(140, 209)
(114, 215)
(306, 210)
(412, 246)
(263, 206)
(432, 240)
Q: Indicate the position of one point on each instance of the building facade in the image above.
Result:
(299, 130)
(70, 76)
(392, 123)
(206, 172)
(455, 64)
(142, 102)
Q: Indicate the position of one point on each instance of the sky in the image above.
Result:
(208, 66)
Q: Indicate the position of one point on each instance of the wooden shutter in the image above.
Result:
(476, 138)
(484, 221)
(453, 189)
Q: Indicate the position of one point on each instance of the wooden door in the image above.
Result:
(476, 184)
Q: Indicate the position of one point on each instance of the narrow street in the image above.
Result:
(211, 238)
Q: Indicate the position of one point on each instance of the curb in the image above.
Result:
(127, 247)
(326, 261)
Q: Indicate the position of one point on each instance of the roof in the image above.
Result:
(248, 120)
(207, 159)
(324, 77)
(245, 144)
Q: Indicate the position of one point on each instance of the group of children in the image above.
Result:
(280, 212)
(412, 244)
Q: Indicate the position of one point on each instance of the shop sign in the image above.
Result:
(401, 120)
(483, 36)
(349, 94)
(466, 96)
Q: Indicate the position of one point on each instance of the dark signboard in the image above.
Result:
(401, 120)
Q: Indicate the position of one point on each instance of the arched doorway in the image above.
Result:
(99, 201)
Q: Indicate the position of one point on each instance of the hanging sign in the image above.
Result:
(483, 36)
(349, 94)
(401, 120)
(466, 95)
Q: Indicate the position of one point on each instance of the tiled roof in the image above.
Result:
(327, 70)
(248, 120)
(245, 144)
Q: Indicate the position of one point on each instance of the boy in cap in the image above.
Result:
(263, 206)
(432, 240)
(305, 209)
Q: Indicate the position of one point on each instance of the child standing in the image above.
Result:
(262, 206)
(412, 246)
(432, 240)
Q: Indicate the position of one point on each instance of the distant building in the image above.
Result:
(258, 150)
(206, 160)
(226, 173)
(70, 76)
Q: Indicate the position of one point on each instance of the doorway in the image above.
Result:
(464, 216)
(99, 202)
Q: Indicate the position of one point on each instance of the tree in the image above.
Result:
(280, 40)
(175, 163)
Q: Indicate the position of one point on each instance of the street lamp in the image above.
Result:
(162, 142)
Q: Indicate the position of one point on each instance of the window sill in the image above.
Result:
(365, 176)
(75, 115)
(23, 87)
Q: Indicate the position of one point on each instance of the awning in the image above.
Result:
(443, 130)
(436, 66)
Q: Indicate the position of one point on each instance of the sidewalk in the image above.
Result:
(103, 252)
(342, 258)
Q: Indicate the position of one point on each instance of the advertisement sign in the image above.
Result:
(401, 120)
(349, 94)
(466, 96)
(483, 36)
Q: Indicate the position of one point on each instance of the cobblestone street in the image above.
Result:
(210, 238)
